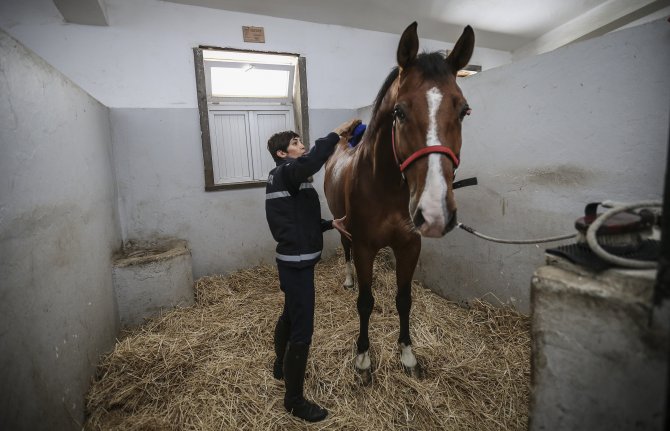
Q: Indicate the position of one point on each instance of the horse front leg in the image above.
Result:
(363, 260)
(407, 257)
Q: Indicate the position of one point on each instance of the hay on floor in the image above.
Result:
(208, 367)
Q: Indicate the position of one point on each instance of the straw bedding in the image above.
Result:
(208, 367)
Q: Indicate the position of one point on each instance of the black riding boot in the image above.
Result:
(295, 403)
(282, 331)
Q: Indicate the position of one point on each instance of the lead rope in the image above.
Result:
(514, 241)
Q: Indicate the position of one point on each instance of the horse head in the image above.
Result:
(428, 108)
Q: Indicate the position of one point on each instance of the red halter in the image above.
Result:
(420, 153)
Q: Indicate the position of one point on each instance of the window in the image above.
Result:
(243, 98)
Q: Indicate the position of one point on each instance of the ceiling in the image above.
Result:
(500, 24)
(528, 26)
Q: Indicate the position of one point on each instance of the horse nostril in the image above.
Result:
(452, 222)
(418, 218)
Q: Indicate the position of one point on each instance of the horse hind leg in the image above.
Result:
(365, 302)
(349, 268)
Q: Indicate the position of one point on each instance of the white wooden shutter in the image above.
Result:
(263, 125)
(231, 146)
(239, 140)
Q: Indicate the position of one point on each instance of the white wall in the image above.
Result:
(143, 63)
(161, 185)
(144, 58)
(548, 134)
(58, 229)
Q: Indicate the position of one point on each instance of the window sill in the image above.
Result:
(233, 186)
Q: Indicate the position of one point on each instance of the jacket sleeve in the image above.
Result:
(303, 167)
(326, 225)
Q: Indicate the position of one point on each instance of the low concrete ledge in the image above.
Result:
(599, 350)
(136, 252)
(150, 276)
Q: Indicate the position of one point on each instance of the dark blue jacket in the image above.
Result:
(292, 206)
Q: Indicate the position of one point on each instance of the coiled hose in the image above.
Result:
(592, 240)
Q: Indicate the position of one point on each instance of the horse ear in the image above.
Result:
(460, 56)
(408, 46)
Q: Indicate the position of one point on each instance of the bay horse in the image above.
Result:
(396, 185)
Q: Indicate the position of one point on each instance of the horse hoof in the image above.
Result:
(364, 376)
(416, 371)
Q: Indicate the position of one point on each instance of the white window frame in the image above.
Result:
(293, 107)
(209, 64)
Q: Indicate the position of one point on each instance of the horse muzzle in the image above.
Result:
(434, 226)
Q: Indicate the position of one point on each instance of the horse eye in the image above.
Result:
(398, 113)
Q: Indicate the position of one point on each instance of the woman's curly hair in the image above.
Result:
(280, 141)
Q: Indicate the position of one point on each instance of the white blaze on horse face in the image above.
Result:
(407, 356)
(363, 360)
(434, 197)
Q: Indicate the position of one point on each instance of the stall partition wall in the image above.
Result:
(59, 226)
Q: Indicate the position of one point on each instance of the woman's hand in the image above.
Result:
(339, 225)
(346, 129)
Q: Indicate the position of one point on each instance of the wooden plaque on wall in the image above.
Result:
(253, 34)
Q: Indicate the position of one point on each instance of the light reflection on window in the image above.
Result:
(249, 81)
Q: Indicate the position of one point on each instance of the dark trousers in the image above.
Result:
(298, 313)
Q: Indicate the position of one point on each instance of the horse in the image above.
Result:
(396, 185)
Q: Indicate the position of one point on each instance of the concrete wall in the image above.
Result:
(144, 58)
(161, 186)
(58, 227)
(141, 66)
(599, 357)
(548, 134)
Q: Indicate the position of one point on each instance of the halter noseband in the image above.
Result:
(421, 153)
(424, 152)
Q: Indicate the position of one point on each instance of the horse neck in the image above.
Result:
(380, 154)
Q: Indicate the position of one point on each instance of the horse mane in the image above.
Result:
(432, 65)
(384, 88)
